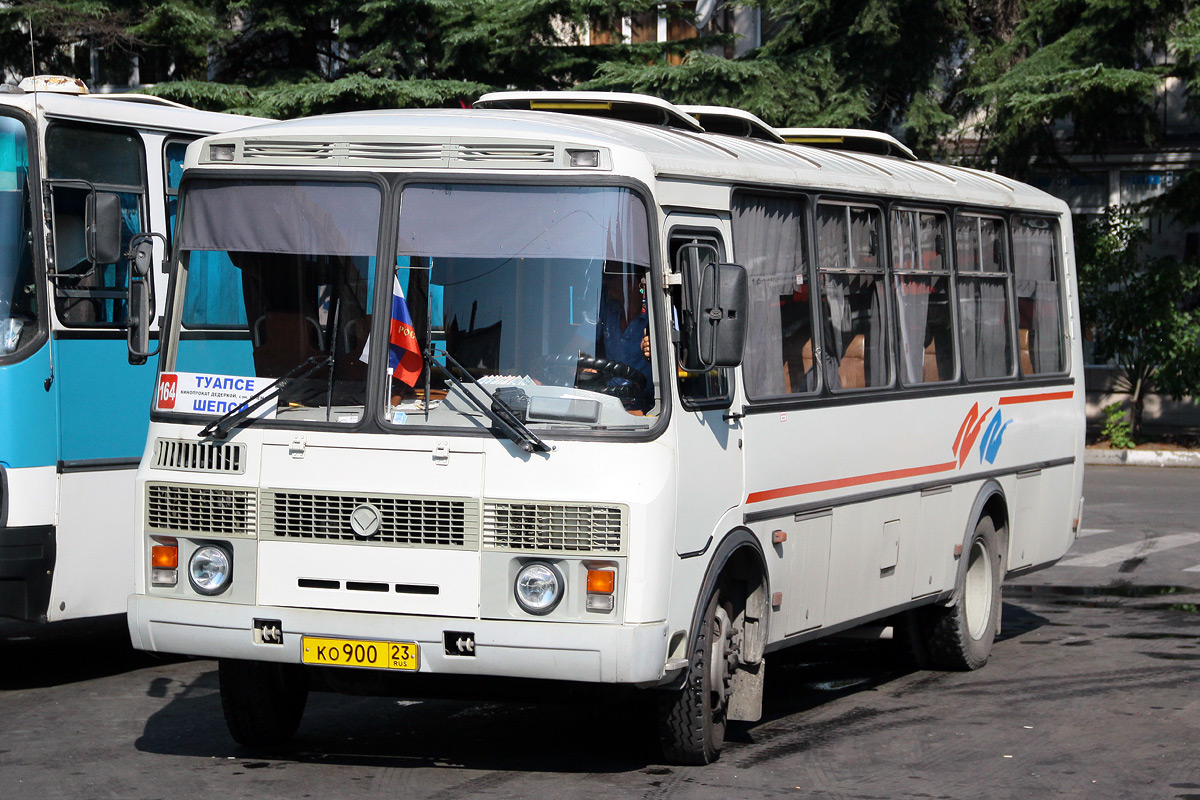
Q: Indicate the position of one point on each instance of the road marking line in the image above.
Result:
(1122, 553)
(1094, 531)
(1193, 569)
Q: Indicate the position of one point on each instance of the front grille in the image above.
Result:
(395, 151)
(404, 520)
(506, 153)
(553, 526)
(413, 154)
(196, 456)
(258, 149)
(176, 508)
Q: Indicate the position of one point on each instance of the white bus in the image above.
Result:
(523, 394)
(83, 177)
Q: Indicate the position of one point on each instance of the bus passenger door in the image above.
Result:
(103, 401)
(709, 439)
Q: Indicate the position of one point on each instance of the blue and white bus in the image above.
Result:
(75, 169)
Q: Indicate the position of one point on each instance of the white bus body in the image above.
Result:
(74, 407)
(905, 428)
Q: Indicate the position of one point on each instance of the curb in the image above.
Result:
(1143, 458)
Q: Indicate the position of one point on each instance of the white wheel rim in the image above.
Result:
(717, 657)
(977, 590)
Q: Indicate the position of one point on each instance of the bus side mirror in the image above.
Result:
(139, 322)
(143, 257)
(140, 295)
(103, 227)
(719, 330)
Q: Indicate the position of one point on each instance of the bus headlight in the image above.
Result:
(210, 569)
(539, 587)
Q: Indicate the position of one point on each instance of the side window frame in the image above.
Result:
(881, 272)
(1057, 268)
(805, 296)
(946, 271)
(77, 182)
(1005, 274)
(34, 245)
(170, 189)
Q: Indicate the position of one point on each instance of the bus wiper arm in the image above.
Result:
(500, 413)
(220, 427)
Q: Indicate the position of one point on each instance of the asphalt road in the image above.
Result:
(1091, 692)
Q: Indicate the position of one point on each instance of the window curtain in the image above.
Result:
(768, 237)
(983, 315)
(913, 293)
(1038, 298)
(477, 221)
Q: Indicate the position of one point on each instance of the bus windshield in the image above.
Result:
(275, 275)
(18, 298)
(530, 297)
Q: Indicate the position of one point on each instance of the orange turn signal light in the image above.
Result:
(601, 581)
(165, 556)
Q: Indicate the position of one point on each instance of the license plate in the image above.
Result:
(358, 653)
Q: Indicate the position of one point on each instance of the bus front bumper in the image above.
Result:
(538, 649)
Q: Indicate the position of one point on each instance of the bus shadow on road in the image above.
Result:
(820, 672)
(597, 732)
(40, 655)
(571, 730)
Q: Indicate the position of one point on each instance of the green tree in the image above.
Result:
(287, 59)
(1066, 76)
(1142, 314)
(38, 35)
(841, 63)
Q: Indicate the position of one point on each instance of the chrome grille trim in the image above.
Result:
(548, 527)
(406, 521)
(196, 456)
(207, 510)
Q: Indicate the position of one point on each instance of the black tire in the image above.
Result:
(263, 701)
(692, 718)
(960, 636)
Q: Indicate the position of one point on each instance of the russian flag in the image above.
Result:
(404, 354)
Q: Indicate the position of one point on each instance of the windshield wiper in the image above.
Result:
(219, 428)
(500, 413)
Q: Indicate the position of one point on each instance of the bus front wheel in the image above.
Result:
(262, 701)
(960, 636)
(692, 717)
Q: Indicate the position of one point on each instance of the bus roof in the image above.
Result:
(462, 140)
(140, 110)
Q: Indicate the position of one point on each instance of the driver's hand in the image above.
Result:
(646, 346)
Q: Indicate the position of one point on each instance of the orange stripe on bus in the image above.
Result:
(841, 483)
(1036, 398)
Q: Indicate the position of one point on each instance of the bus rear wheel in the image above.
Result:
(960, 636)
(262, 701)
(692, 717)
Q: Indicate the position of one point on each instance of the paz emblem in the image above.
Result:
(364, 520)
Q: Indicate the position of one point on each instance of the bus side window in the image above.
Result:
(851, 274)
(983, 281)
(173, 153)
(1041, 340)
(111, 160)
(19, 305)
(696, 389)
(922, 297)
(769, 237)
